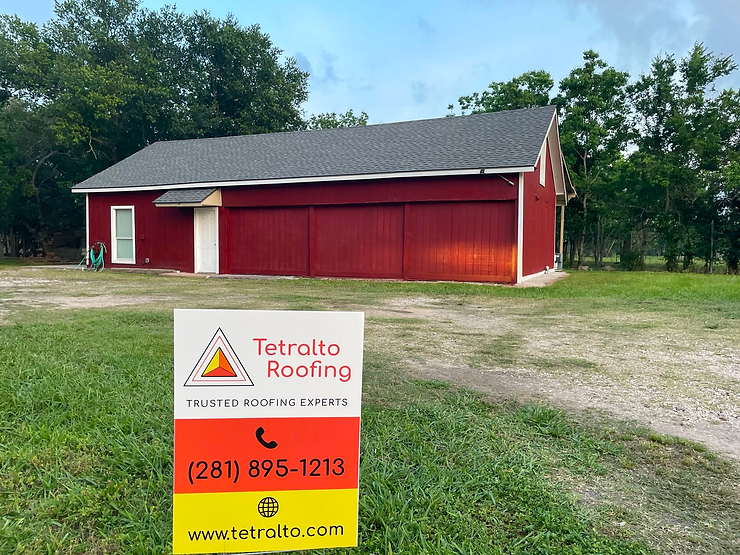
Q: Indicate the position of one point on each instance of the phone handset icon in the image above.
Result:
(266, 444)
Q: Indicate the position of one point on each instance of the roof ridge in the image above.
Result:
(355, 127)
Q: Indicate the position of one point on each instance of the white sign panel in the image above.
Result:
(248, 364)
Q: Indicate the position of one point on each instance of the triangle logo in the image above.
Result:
(218, 365)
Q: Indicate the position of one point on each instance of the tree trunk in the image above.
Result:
(571, 253)
(580, 244)
(626, 246)
(599, 246)
(12, 244)
(40, 233)
(582, 239)
(732, 265)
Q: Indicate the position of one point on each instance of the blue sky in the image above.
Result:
(409, 60)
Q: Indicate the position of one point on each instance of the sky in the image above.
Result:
(405, 60)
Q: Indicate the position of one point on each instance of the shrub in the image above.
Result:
(633, 260)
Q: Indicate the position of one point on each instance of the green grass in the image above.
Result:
(86, 427)
(633, 286)
(86, 452)
(11, 262)
(87, 447)
(503, 350)
(605, 286)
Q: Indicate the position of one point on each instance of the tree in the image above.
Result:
(593, 107)
(104, 78)
(235, 82)
(528, 90)
(684, 128)
(330, 120)
(728, 214)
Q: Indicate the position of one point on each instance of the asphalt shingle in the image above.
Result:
(493, 140)
(185, 196)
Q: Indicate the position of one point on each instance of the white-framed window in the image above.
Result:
(122, 233)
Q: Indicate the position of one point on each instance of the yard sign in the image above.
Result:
(267, 430)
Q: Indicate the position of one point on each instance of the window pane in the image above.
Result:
(125, 249)
(124, 224)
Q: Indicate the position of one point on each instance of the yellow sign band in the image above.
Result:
(258, 521)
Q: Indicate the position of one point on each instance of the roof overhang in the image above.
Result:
(570, 190)
(189, 198)
(564, 190)
(317, 179)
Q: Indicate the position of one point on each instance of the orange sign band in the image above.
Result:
(266, 454)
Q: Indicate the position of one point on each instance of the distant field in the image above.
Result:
(496, 419)
(657, 264)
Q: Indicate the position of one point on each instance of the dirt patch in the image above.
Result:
(691, 421)
(9, 283)
(20, 291)
(673, 375)
(103, 301)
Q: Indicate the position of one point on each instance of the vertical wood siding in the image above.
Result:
(378, 191)
(163, 235)
(466, 241)
(268, 241)
(359, 241)
(539, 220)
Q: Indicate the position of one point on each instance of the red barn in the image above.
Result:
(468, 198)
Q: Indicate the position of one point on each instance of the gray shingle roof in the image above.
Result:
(185, 196)
(492, 140)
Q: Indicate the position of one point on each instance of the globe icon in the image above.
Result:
(268, 507)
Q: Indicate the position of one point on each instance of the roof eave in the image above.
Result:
(312, 179)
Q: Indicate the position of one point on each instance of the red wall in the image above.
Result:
(459, 241)
(463, 241)
(539, 220)
(468, 187)
(164, 235)
(364, 229)
(266, 241)
(359, 241)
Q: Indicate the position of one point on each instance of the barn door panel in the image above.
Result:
(359, 241)
(461, 241)
(272, 241)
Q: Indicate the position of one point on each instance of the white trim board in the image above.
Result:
(87, 230)
(285, 181)
(543, 166)
(113, 248)
(520, 229)
(195, 241)
(544, 142)
(556, 153)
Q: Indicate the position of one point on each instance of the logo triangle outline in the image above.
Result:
(219, 365)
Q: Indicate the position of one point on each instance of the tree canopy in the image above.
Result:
(528, 90)
(655, 161)
(330, 120)
(103, 79)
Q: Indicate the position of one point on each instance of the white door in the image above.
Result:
(206, 241)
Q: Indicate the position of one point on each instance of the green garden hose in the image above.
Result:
(97, 263)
